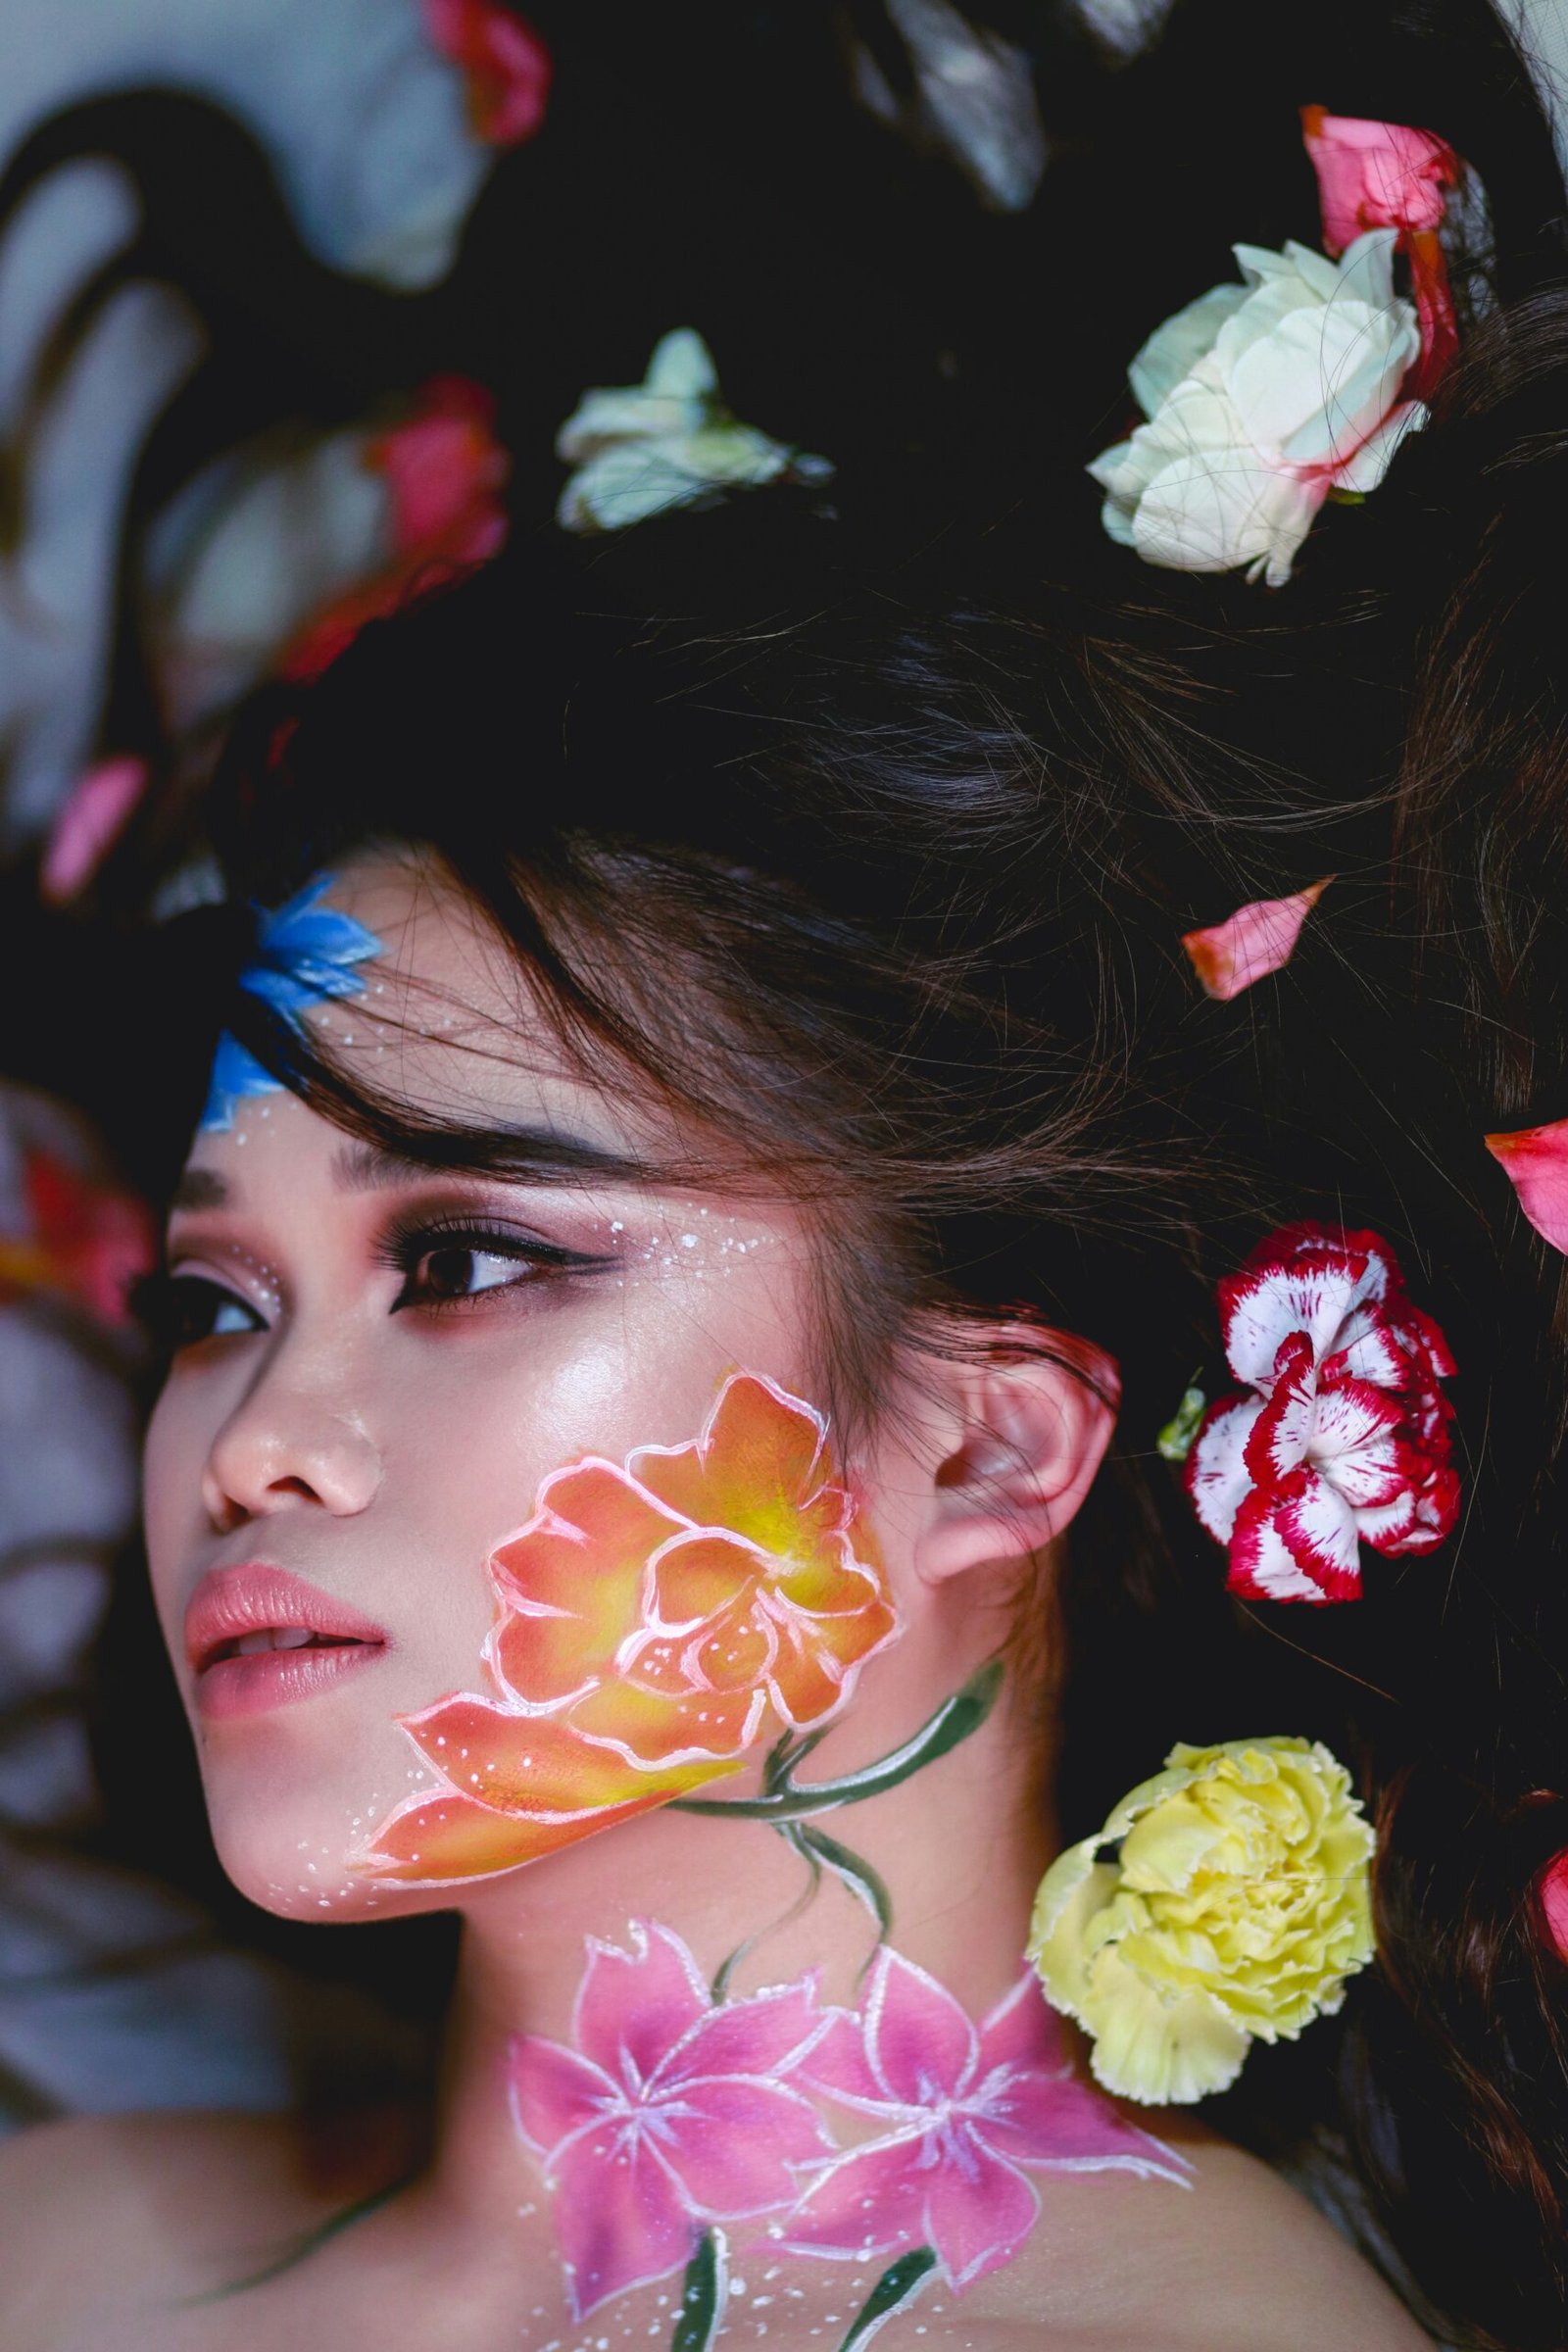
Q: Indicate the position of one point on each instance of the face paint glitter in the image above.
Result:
(305, 953)
(656, 1621)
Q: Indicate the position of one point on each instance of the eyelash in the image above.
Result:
(170, 1307)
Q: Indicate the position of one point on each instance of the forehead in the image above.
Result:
(407, 990)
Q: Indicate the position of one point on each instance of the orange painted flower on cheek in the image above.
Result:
(654, 1622)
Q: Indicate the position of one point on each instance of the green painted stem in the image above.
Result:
(705, 2295)
(892, 2292)
(951, 1724)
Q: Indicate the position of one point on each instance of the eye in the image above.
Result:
(451, 1266)
(180, 1310)
(460, 1270)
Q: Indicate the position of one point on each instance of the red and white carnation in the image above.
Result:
(1341, 1435)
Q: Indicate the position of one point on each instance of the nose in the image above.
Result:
(295, 1442)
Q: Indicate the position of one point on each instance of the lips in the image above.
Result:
(259, 1637)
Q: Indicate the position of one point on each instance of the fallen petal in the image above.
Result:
(1257, 940)
(1534, 1160)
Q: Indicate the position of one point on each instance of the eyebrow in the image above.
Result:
(514, 1155)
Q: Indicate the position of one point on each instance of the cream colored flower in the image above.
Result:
(663, 443)
(1262, 399)
(1238, 1905)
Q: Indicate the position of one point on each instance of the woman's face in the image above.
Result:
(376, 1367)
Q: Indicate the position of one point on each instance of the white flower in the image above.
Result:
(1262, 399)
(663, 443)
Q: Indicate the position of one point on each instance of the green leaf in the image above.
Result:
(892, 2292)
(705, 2294)
(951, 1724)
(1175, 1440)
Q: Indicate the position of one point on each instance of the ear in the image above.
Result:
(1026, 1428)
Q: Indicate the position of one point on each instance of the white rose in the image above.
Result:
(663, 443)
(1262, 399)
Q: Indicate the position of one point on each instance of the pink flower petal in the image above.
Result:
(554, 2091)
(1022, 2030)
(766, 2034)
(1376, 174)
(1553, 1890)
(1534, 1160)
(838, 2067)
(735, 2147)
(1257, 940)
(978, 2211)
(619, 2216)
(1319, 1531)
(633, 2007)
(1218, 1478)
(871, 2201)
(921, 2046)
(1034, 2118)
(96, 813)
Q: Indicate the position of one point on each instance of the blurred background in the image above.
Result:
(294, 300)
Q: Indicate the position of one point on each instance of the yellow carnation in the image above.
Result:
(1238, 1905)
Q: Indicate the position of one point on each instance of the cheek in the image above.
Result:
(659, 1621)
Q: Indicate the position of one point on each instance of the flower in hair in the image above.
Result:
(1260, 938)
(1340, 1436)
(668, 441)
(1262, 399)
(1390, 175)
(1534, 1160)
(505, 66)
(1233, 1906)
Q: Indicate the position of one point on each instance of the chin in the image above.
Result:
(292, 1802)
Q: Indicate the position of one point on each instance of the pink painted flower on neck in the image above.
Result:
(665, 2114)
(964, 2111)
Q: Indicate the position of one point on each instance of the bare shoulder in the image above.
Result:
(107, 2211)
(1245, 2263)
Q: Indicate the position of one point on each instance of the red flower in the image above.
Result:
(444, 470)
(1390, 176)
(87, 1242)
(1341, 1436)
(504, 64)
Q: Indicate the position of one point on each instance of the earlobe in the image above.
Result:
(1030, 1423)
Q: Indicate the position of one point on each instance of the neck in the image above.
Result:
(702, 2046)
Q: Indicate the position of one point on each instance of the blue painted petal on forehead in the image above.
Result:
(304, 952)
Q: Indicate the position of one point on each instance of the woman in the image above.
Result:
(710, 1189)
